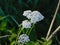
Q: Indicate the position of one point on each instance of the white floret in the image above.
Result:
(36, 17)
(29, 16)
(27, 12)
(26, 24)
(23, 38)
(34, 20)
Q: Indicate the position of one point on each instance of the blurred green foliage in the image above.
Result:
(15, 8)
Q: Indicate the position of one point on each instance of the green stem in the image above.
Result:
(20, 30)
(31, 29)
(52, 22)
(27, 31)
(22, 43)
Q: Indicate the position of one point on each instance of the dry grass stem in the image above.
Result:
(4, 36)
(58, 28)
(53, 20)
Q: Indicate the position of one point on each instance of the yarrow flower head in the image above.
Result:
(34, 16)
(26, 24)
(27, 12)
(23, 38)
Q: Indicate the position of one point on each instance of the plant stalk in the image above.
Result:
(52, 22)
(58, 28)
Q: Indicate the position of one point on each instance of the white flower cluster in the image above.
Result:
(34, 16)
(26, 24)
(23, 38)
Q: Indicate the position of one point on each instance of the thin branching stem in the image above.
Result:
(58, 28)
(14, 20)
(52, 22)
(5, 36)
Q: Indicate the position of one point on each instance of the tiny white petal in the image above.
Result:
(29, 16)
(23, 38)
(27, 12)
(34, 20)
(36, 17)
(26, 24)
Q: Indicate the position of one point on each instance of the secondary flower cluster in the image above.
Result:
(26, 24)
(33, 17)
(23, 38)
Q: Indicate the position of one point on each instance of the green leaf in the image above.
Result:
(12, 37)
(3, 25)
(1, 18)
(30, 43)
(37, 43)
(43, 39)
(12, 43)
(47, 42)
(40, 41)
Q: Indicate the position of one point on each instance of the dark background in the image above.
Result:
(15, 9)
